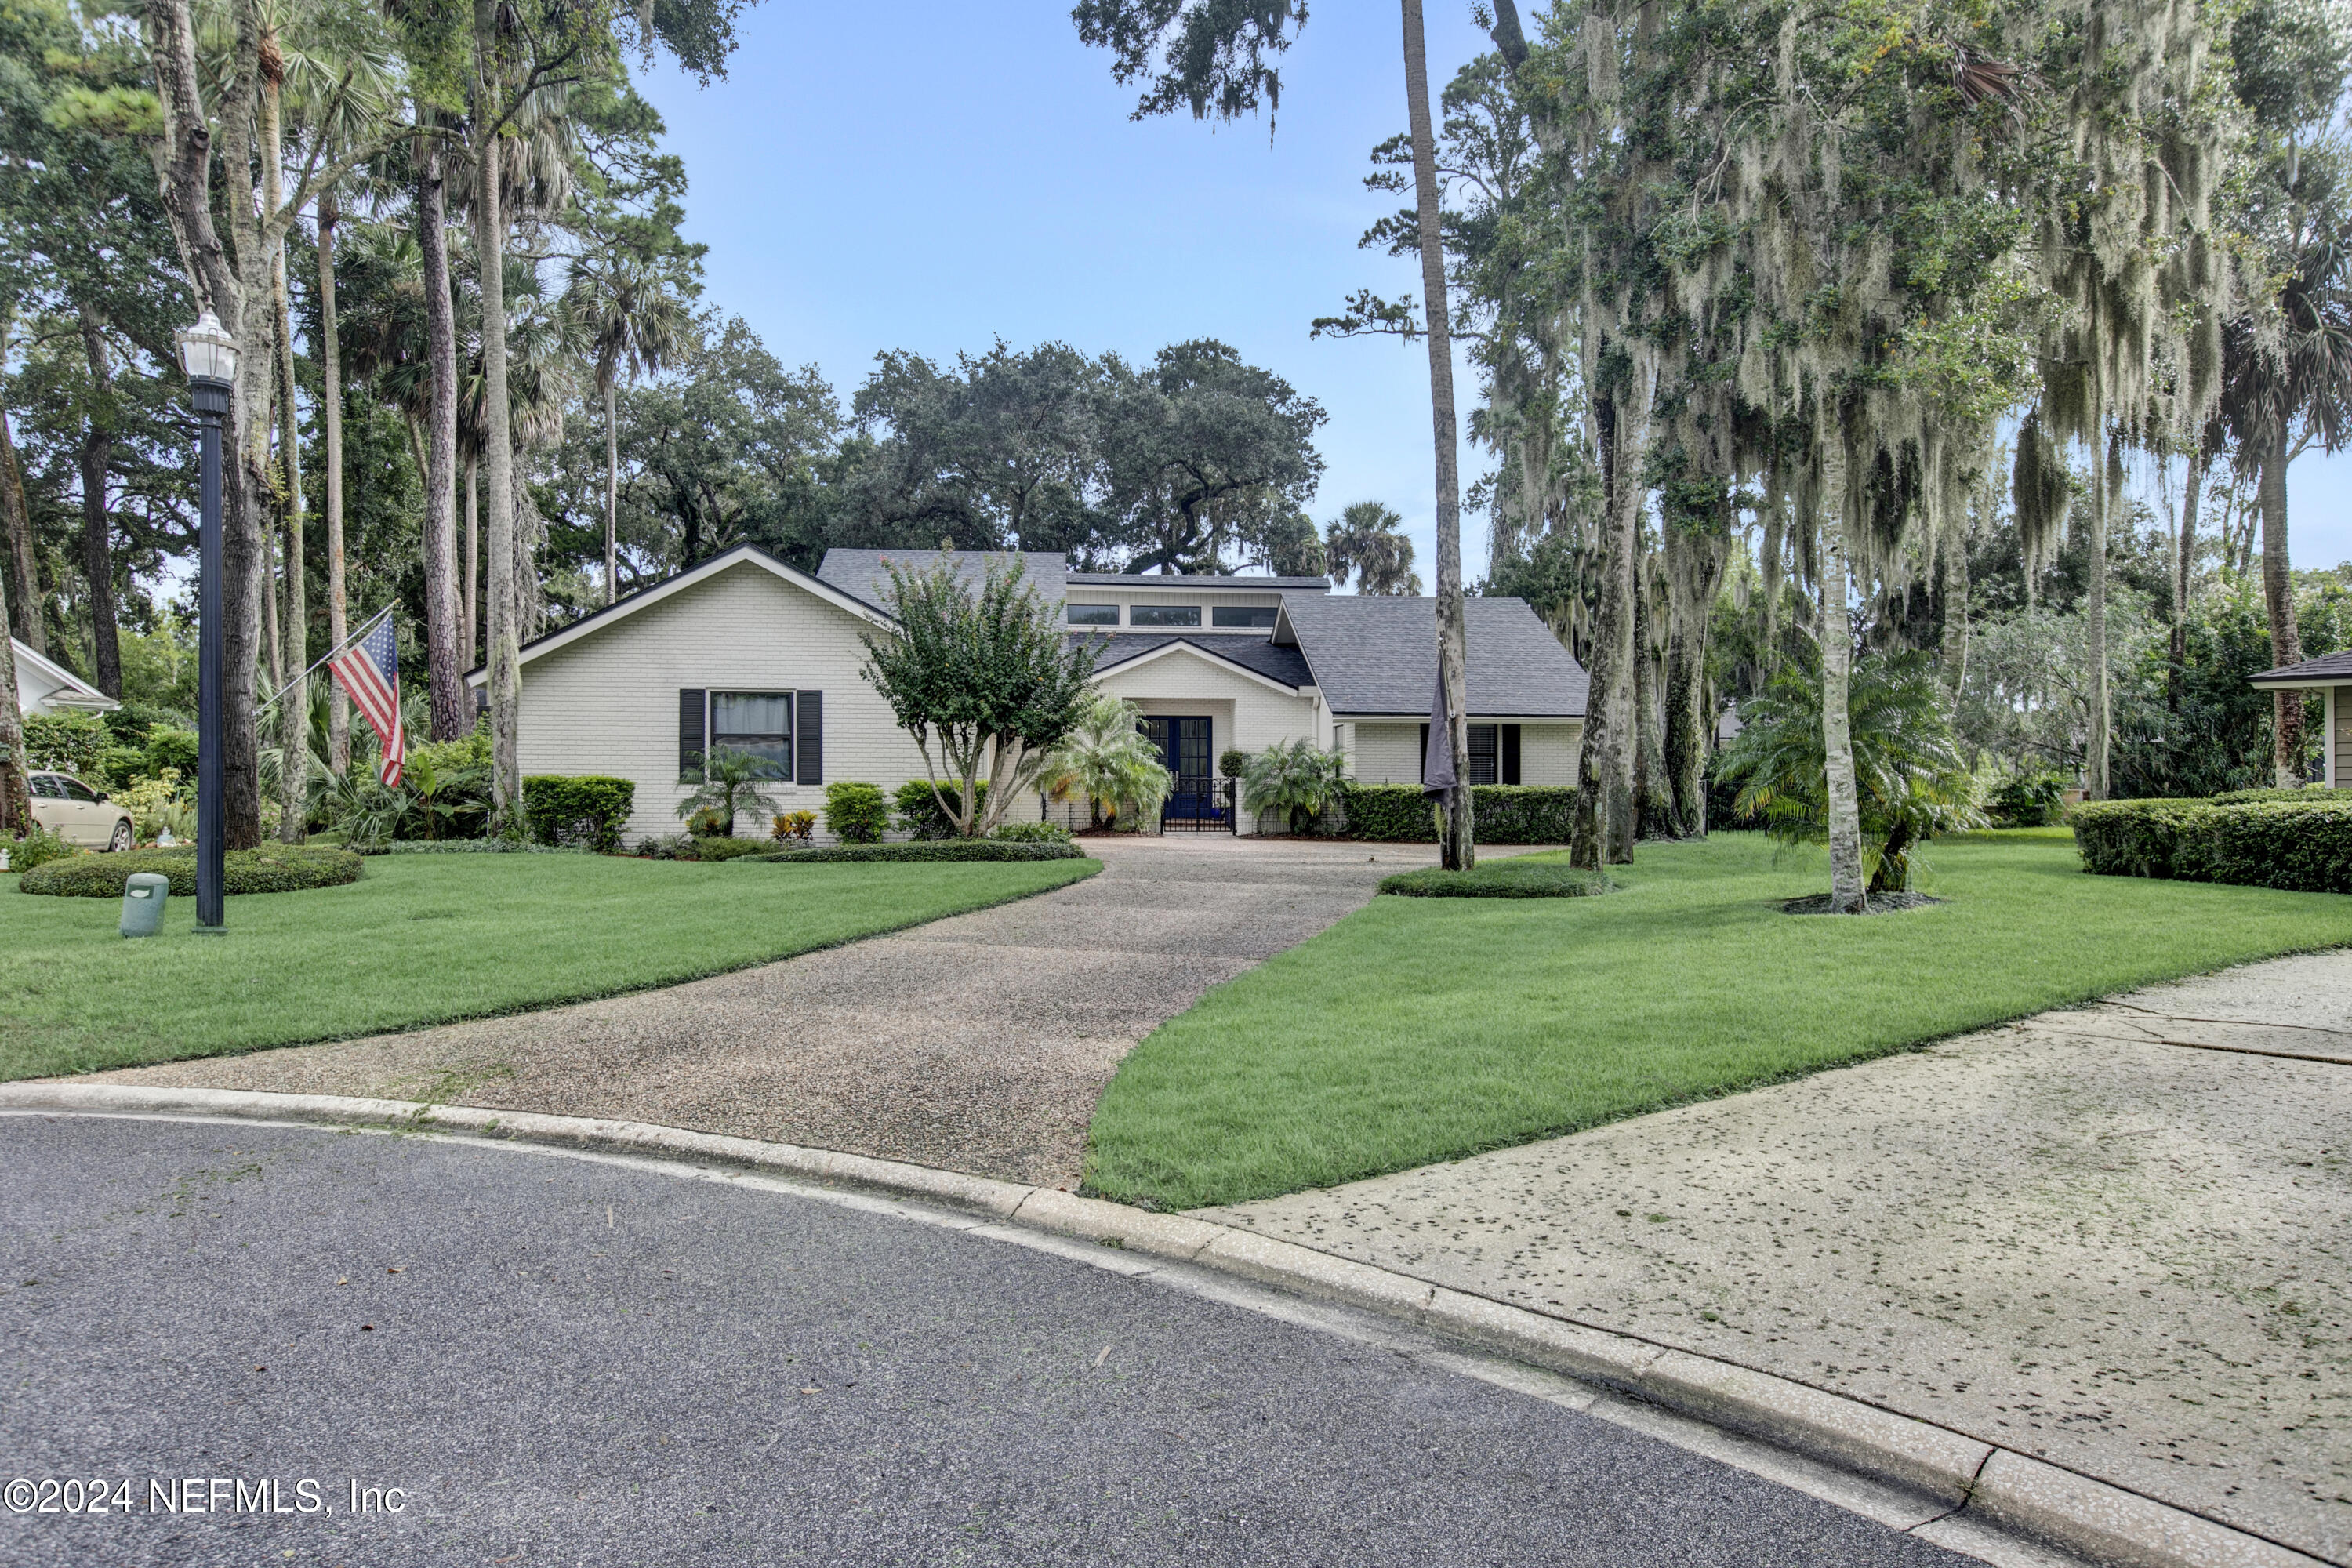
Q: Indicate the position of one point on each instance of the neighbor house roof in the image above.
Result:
(1259, 655)
(42, 682)
(2330, 669)
(865, 574)
(1377, 655)
(1186, 580)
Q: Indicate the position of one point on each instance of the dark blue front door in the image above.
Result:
(1185, 751)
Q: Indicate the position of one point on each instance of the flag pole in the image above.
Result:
(330, 654)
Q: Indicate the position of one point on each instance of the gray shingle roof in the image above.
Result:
(1375, 654)
(1180, 580)
(1261, 655)
(2326, 670)
(865, 574)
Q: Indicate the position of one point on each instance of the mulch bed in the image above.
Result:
(1873, 904)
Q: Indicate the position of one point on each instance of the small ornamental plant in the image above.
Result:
(794, 826)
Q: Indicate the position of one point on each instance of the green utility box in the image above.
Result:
(142, 902)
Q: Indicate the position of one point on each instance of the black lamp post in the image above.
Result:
(209, 357)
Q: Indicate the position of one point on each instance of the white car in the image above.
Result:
(79, 814)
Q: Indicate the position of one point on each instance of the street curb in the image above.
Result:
(2103, 1523)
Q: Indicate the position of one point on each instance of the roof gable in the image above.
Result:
(1377, 654)
(742, 554)
(1258, 658)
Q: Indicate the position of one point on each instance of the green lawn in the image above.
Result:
(1426, 1029)
(423, 938)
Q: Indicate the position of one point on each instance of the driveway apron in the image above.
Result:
(978, 1043)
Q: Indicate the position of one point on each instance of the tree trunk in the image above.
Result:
(331, 405)
(473, 566)
(1837, 655)
(2184, 566)
(15, 810)
(1653, 794)
(2278, 603)
(1459, 851)
(97, 528)
(1602, 830)
(449, 624)
(612, 497)
(2102, 707)
(1697, 576)
(294, 704)
(25, 615)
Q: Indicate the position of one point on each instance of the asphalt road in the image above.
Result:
(562, 1361)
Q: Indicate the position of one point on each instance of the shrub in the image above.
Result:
(2310, 794)
(117, 766)
(856, 813)
(588, 809)
(2306, 846)
(2027, 800)
(1499, 880)
(170, 746)
(2295, 842)
(796, 827)
(1500, 813)
(720, 846)
(1232, 761)
(69, 742)
(2138, 837)
(150, 803)
(668, 846)
(1031, 833)
(919, 812)
(273, 868)
(932, 849)
(1294, 778)
(37, 847)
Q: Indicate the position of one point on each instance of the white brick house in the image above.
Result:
(746, 650)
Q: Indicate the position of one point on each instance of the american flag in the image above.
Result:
(370, 672)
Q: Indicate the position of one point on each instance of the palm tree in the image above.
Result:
(1297, 778)
(727, 781)
(2286, 383)
(634, 320)
(1106, 758)
(1368, 542)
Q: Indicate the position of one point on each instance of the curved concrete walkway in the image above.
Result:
(978, 1043)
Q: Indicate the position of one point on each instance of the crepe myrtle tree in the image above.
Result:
(984, 679)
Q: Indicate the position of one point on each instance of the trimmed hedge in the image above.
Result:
(1499, 880)
(67, 742)
(586, 809)
(465, 846)
(930, 849)
(274, 868)
(2290, 841)
(1500, 813)
(1030, 832)
(720, 846)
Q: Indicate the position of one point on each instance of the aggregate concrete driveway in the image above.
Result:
(2117, 1238)
(978, 1043)
(558, 1360)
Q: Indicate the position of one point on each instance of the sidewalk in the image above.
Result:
(2118, 1238)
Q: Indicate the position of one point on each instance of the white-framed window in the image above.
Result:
(1093, 614)
(1234, 617)
(759, 722)
(1163, 615)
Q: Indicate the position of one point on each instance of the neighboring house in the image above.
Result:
(45, 685)
(2332, 677)
(747, 651)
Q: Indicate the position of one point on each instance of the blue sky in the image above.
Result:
(959, 173)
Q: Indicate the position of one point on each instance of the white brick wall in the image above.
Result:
(1391, 753)
(608, 702)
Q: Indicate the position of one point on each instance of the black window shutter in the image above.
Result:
(1510, 753)
(690, 713)
(1425, 750)
(808, 732)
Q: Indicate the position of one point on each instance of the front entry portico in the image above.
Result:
(1187, 745)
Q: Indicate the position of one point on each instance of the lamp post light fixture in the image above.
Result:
(209, 357)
